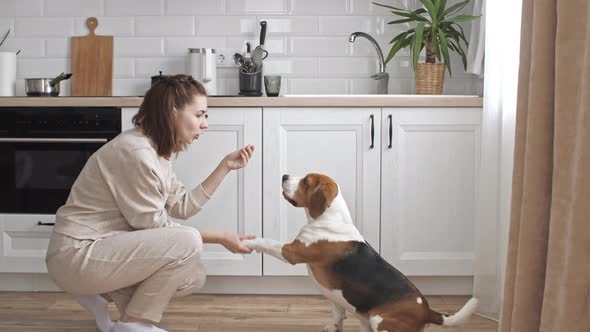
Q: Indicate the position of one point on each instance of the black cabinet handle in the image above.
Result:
(45, 223)
(372, 132)
(390, 131)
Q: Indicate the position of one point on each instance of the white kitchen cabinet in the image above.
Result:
(237, 204)
(334, 141)
(413, 201)
(24, 242)
(428, 181)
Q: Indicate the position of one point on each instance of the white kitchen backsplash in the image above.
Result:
(307, 41)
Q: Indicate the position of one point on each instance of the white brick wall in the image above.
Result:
(307, 41)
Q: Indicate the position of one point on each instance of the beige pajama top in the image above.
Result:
(126, 186)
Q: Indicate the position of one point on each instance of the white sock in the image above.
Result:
(136, 327)
(99, 308)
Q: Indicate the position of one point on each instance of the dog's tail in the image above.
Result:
(453, 320)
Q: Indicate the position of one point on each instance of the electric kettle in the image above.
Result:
(203, 67)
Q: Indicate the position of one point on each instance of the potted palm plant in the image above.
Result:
(437, 30)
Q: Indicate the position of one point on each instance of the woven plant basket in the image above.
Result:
(430, 78)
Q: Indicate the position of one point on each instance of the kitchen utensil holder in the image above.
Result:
(250, 83)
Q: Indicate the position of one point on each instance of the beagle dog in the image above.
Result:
(348, 271)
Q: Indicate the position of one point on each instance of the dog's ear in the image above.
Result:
(321, 197)
(318, 202)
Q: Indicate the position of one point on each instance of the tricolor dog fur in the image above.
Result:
(348, 271)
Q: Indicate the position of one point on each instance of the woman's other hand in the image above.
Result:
(233, 242)
(239, 158)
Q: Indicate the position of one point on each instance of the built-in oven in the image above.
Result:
(43, 149)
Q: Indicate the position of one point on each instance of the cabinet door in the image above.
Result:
(126, 118)
(429, 177)
(237, 203)
(336, 142)
(24, 242)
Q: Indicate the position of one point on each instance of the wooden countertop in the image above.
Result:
(283, 101)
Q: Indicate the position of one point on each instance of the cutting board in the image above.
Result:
(92, 63)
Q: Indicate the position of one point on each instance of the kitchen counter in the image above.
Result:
(283, 101)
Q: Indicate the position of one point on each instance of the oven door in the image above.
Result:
(37, 173)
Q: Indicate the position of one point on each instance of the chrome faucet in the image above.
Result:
(382, 77)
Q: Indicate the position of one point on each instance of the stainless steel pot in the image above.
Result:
(40, 87)
(44, 87)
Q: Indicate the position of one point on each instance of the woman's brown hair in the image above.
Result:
(156, 113)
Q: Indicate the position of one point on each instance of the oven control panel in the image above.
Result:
(60, 121)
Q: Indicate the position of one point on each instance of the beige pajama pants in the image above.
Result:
(139, 270)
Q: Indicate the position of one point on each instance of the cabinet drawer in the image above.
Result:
(24, 241)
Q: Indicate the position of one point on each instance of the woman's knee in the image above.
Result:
(190, 239)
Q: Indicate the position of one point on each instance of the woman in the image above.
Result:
(113, 236)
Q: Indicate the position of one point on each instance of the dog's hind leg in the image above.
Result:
(393, 325)
(365, 327)
(338, 316)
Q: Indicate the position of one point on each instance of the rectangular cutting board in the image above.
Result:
(92, 63)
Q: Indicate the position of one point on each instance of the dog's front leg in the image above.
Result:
(339, 314)
(266, 246)
(293, 253)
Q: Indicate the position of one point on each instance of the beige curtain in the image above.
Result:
(548, 269)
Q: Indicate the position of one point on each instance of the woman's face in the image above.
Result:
(191, 121)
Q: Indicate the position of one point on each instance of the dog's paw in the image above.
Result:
(332, 328)
(254, 244)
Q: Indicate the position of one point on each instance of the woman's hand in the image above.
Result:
(232, 161)
(239, 158)
(233, 242)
